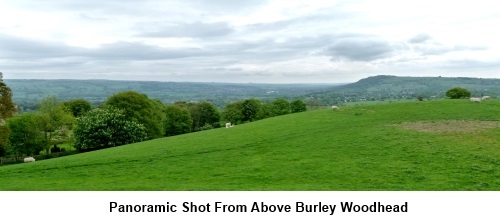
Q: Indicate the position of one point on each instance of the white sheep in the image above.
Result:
(475, 99)
(29, 159)
(228, 125)
(485, 97)
(335, 108)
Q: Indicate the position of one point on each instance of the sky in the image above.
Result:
(259, 41)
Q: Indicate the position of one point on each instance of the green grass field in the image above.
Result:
(429, 145)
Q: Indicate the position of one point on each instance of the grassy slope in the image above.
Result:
(352, 149)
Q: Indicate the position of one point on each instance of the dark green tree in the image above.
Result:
(25, 136)
(158, 114)
(178, 120)
(4, 138)
(266, 111)
(139, 108)
(233, 113)
(77, 107)
(298, 106)
(7, 107)
(458, 93)
(205, 115)
(281, 107)
(103, 128)
(252, 109)
(7, 110)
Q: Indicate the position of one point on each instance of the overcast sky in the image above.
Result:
(275, 41)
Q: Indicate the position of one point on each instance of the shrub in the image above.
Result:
(140, 109)
(280, 107)
(77, 107)
(25, 137)
(233, 113)
(178, 120)
(203, 113)
(298, 106)
(458, 93)
(102, 128)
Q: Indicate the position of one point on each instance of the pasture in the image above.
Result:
(429, 145)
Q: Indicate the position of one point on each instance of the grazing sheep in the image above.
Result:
(475, 99)
(335, 108)
(228, 125)
(485, 97)
(29, 159)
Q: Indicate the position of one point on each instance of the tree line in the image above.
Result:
(123, 118)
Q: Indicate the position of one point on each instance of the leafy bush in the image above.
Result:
(298, 106)
(203, 113)
(280, 107)
(252, 109)
(25, 136)
(77, 107)
(233, 112)
(458, 93)
(178, 120)
(102, 128)
(139, 108)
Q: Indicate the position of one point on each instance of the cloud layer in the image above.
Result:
(246, 41)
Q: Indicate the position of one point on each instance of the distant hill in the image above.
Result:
(385, 87)
(378, 88)
(29, 92)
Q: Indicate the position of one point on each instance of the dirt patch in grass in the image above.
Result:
(449, 126)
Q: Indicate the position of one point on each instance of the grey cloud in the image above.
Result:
(139, 51)
(222, 69)
(360, 49)
(14, 47)
(193, 30)
(439, 49)
(143, 7)
(312, 19)
(420, 38)
(226, 5)
(19, 48)
(468, 64)
(112, 10)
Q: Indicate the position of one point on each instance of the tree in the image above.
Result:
(204, 114)
(281, 107)
(298, 106)
(458, 93)
(53, 121)
(158, 112)
(77, 107)
(178, 120)
(103, 128)
(7, 107)
(267, 110)
(233, 112)
(25, 137)
(4, 138)
(7, 110)
(252, 108)
(139, 108)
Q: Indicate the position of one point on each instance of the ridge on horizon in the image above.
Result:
(275, 83)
